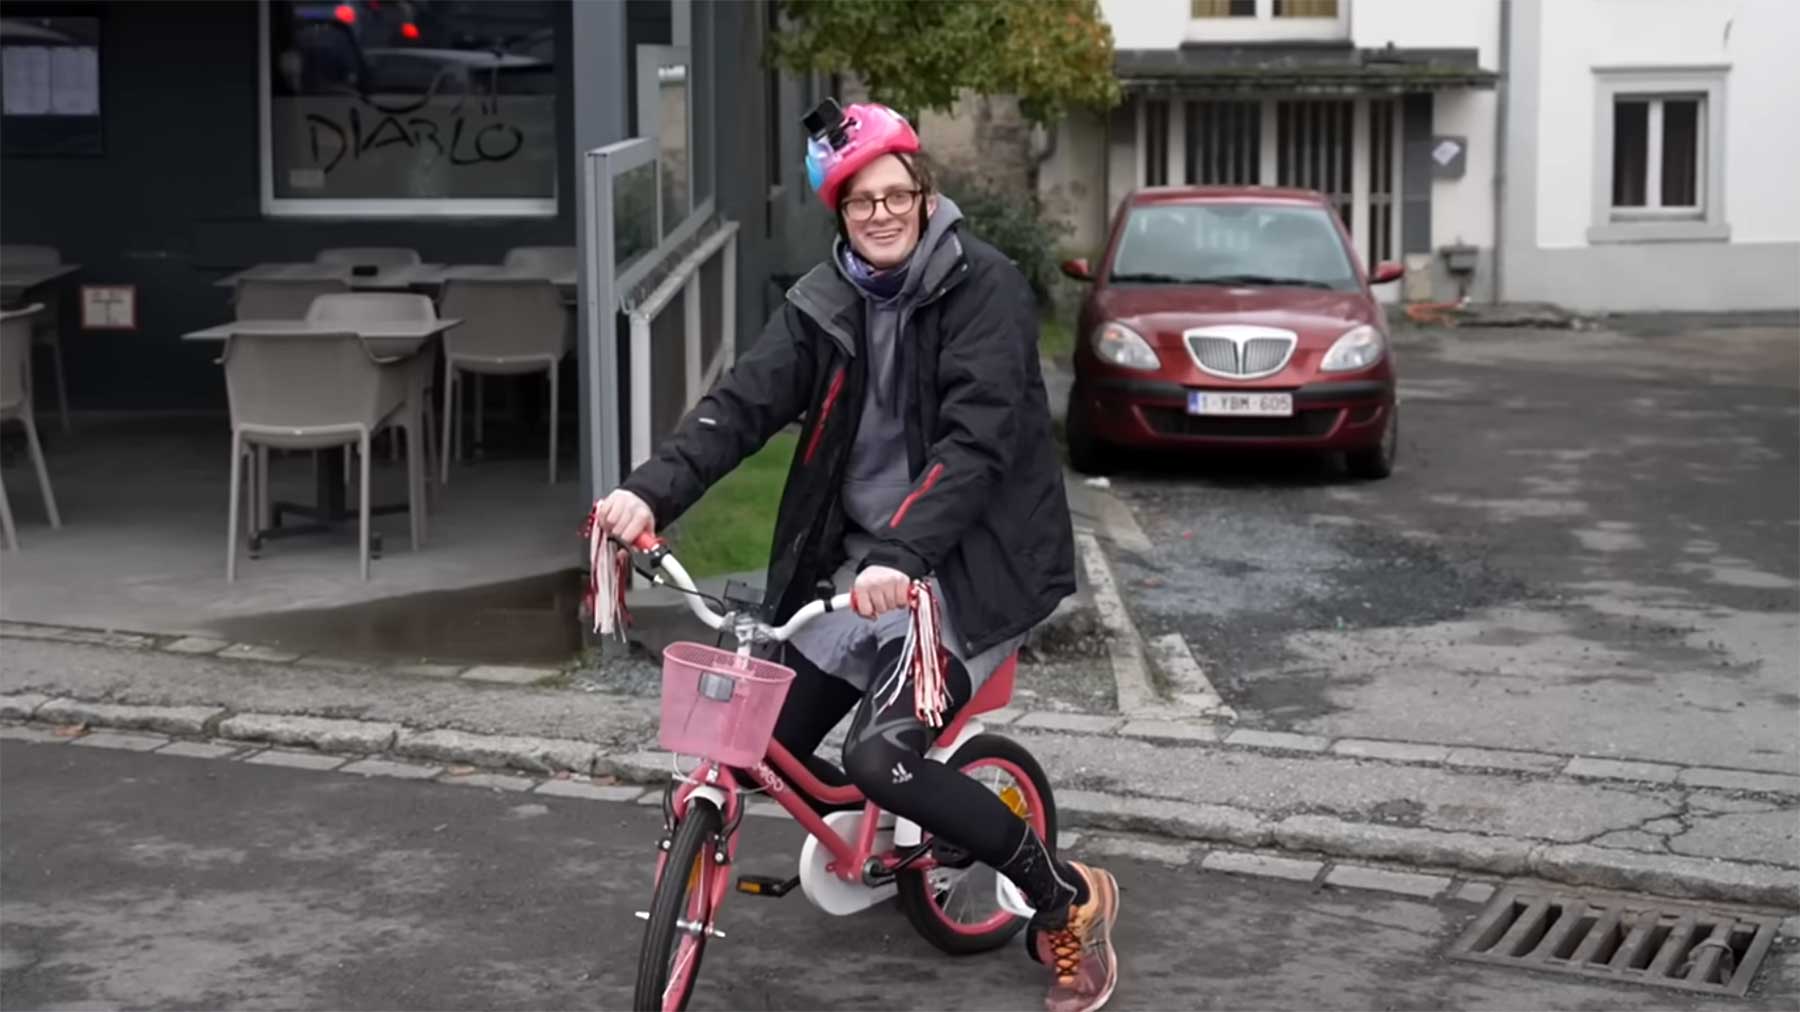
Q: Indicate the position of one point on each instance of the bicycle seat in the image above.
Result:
(994, 693)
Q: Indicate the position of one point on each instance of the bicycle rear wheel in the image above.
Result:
(955, 907)
(680, 913)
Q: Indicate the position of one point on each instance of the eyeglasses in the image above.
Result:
(897, 203)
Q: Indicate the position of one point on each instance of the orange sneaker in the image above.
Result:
(1081, 953)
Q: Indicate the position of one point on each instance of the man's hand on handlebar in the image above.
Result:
(625, 516)
(880, 590)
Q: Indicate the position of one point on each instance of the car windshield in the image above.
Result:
(1232, 244)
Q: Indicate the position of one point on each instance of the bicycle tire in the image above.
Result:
(918, 897)
(689, 868)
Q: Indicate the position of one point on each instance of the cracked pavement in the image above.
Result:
(1591, 546)
(156, 881)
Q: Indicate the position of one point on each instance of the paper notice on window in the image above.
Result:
(26, 80)
(75, 81)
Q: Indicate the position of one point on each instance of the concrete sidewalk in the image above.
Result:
(1700, 832)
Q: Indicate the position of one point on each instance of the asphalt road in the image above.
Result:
(143, 881)
(1591, 545)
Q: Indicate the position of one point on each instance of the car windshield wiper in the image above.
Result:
(1150, 278)
(1262, 279)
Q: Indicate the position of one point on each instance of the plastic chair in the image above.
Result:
(281, 300)
(45, 331)
(307, 391)
(508, 328)
(549, 261)
(369, 256)
(15, 402)
(355, 308)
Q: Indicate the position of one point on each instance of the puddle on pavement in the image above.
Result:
(530, 621)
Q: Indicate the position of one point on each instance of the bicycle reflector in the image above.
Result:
(716, 687)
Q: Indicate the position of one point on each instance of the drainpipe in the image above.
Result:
(1500, 111)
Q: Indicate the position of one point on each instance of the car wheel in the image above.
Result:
(1377, 462)
(1087, 453)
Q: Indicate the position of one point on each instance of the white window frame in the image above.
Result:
(1266, 27)
(1652, 222)
(367, 207)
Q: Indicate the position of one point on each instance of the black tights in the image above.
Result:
(884, 757)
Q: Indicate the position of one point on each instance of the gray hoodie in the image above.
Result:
(876, 479)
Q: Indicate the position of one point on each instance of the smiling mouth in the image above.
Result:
(886, 236)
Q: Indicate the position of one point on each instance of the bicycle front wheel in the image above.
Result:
(680, 913)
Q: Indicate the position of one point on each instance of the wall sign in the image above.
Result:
(109, 307)
(1448, 155)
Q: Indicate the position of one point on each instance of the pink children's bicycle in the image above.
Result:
(719, 706)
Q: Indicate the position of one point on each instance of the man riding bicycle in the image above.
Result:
(926, 470)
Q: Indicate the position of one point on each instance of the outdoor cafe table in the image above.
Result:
(17, 280)
(434, 276)
(391, 342)
(395, 278)
(400, 278)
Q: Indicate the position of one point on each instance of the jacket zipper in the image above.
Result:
(931, 478)
(831, 396)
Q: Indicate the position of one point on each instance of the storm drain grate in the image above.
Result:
(1635, 941)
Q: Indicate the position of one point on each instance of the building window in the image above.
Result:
(1659, 150)
(1156, 143)
(1256, 21)
(1656, 155)
(1314, 149)
(1384, 117)
(402, 110)
(1224, 143)
(1306, 8)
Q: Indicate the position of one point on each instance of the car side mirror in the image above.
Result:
(1078, 269)
(1387, 271)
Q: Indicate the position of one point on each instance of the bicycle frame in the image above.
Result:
(779, 773)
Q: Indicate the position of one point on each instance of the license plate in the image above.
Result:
(1251, 405)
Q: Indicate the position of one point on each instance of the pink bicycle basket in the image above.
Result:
(719, 705)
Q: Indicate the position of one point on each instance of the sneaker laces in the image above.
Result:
(1066, 944)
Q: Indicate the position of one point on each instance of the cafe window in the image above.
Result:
(409, 108)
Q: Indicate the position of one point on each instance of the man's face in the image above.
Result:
(886, 237)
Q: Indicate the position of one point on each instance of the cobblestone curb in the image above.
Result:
(393, 750)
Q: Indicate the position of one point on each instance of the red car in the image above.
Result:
(1232, 317)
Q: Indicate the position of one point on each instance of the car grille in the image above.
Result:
(1303, 424)
(1242, 357)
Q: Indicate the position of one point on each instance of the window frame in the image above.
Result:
(1653, 222)
(368, 207)
(1264, 26)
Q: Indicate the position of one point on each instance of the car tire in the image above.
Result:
(1377, 462)
(1087, 453)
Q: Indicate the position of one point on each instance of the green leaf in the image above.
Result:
(918, 56)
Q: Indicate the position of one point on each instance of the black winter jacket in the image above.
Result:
(987, 512)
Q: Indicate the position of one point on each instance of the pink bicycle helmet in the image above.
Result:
(841, 142)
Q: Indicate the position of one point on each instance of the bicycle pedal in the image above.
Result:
(766, 885)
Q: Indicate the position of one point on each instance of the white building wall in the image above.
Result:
(1554, 171)
(1754, 37)
(1146, 24)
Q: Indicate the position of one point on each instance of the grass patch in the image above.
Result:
(1056, 339)
(732, 527)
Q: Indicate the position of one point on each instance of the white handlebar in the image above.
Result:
(678, 576)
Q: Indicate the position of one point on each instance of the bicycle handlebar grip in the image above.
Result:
(647, 542)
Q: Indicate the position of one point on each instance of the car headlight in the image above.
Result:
(1359, 348)
(1119, 345)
